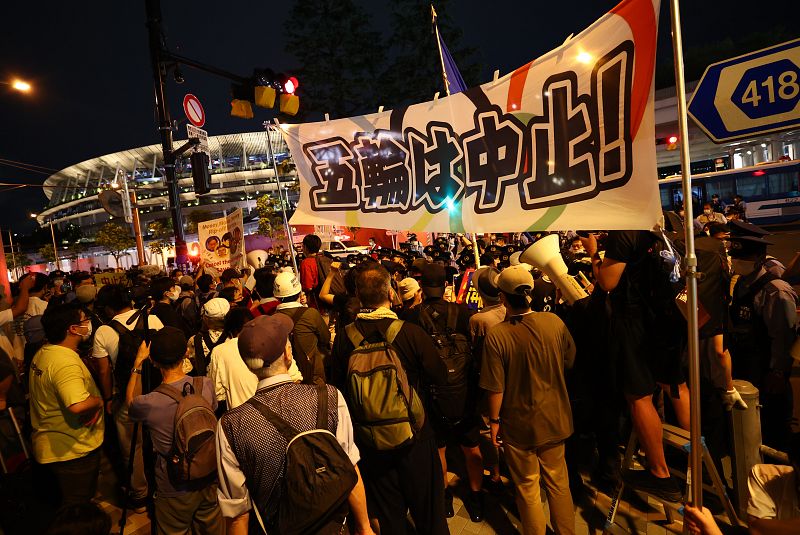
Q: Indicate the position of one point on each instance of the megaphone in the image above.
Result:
(545, 255)
(257, 258)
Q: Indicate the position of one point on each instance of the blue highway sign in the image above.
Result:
(750, 95)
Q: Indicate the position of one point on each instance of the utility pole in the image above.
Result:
(156, 37)
(55, 248)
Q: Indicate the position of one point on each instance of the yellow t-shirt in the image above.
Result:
(58, 379)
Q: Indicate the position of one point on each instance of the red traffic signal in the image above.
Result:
(672, 139)
(290, 85)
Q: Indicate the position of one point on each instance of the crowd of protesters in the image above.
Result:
(224, 400)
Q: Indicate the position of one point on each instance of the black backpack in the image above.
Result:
(318, 476)
(324, 268)
(129, 342)
(450, 400)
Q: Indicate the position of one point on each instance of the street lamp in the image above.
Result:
(19, 85)
(53, 236)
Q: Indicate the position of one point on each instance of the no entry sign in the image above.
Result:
(194, 110)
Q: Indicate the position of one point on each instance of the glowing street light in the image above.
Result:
(21, 86)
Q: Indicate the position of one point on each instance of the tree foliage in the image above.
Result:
(270, 217)
(161, 232)
(339, 56)
(115, 239)
(47, 254)
(414, 70)
(197, 216)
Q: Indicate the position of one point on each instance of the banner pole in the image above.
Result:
(696, 452)
(476, 251)
(280, 196)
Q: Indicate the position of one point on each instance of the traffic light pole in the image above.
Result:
(153, 8)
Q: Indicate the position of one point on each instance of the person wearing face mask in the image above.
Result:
(165, 292)
(710, 216)
(763, 315)
(66, 406)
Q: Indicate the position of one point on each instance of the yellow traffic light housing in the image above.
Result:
(265, 96)
(241, 108)
(289, 104)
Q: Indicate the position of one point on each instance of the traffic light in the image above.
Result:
(200, 173)
(672, 142)
(240, 103)
(263, 89)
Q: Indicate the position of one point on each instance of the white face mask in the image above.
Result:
(88, 333)
(174, 293)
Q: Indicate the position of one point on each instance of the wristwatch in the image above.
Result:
(136, 370)
(494, 420)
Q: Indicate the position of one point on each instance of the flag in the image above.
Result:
(453, 82)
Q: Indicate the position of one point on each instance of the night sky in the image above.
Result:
(89, 64)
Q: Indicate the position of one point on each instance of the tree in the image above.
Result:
(339, 56)
(414, 71)
(270, 217)
(115, 239)
(20, 261)
(47, 254)
(195, 217)
(161, 232)
(75, 250)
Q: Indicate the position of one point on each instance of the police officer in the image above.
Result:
(763, 317)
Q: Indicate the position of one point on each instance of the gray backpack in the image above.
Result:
(192, 459)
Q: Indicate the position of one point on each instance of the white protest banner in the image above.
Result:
(565, 142)
(222, 241)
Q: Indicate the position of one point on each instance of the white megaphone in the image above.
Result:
(546, 256)
(257, 258)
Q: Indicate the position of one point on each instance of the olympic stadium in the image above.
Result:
(242, 171)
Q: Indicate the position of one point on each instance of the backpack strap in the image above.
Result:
(197, 383)
(452, 317)
(393, 331)
(169, 391)
(322, 407)
(281, 426)
(118, 327)
(428, 323)
(355, 336)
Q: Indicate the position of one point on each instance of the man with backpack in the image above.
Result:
(310, 337)
(385, 364)
(453, 407)
(179, 414)
(263, 444)
(115, 347)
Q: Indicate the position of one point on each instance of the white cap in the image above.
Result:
(286, 285)
(216, 308)
(514, 258)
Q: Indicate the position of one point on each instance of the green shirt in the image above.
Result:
(524, 358)
(58, 379)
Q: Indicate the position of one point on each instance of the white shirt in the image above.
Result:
(36, 306)
(233, 380)
(232, 494)
(773, 492)
(106, 339)
(6, 316)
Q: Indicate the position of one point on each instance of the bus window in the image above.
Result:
(751, 186)
(666, 202)
(782, 183)
(722, 187)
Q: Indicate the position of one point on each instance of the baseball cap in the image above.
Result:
(168, 346)
(484, 282)
(263, 340)
(186, 280)
(286, 285)
(86, 294)
(743, 228)
(514, 280)
(433, 280)
(216, 308)
(408, 288)
(418, 264)
(514, 258)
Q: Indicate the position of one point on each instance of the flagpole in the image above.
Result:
(475, 249)
(696, 451)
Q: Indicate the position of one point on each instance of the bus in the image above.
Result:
(770, 191)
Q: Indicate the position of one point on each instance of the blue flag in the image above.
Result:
(453, 82)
